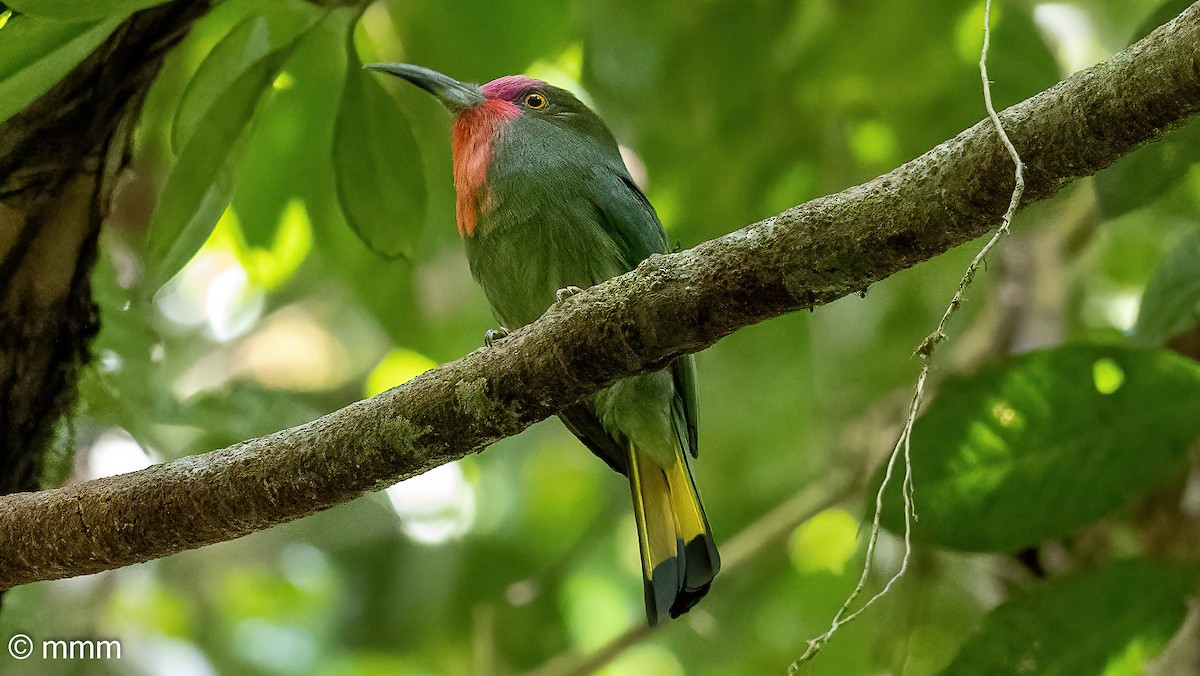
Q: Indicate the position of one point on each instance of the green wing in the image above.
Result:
(639, 233)
(630, 220)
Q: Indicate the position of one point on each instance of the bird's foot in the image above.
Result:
(493, 336)
(566, 292)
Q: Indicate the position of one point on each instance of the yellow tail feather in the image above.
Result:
(679, 557)
(685, 502)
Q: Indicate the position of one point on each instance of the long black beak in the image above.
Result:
(456, 96)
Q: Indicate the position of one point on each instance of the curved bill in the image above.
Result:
(456, 96)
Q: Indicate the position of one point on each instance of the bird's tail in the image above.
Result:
(679, 555)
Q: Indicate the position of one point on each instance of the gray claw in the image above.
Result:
(565, 293)
(493, 336)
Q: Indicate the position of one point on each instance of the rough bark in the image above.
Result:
(59, 159)
(809, 255)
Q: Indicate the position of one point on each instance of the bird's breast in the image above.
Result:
(527, 250)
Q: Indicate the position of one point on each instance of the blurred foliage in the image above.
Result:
(1038, 632)
(1026, 450)
(79, 10)
(36, 54)
(1171, 304)
(249, 281)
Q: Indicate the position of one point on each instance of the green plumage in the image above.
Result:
(558, 209)
(567, 213)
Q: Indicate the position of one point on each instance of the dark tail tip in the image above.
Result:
(663, 587)
(678, 584)
(701, 565)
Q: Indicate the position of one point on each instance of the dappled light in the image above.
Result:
(825, 542)
(289, 337)
(1071, 31)
(436, 506)
(115, 452)
(1107, 375)
(396, 368)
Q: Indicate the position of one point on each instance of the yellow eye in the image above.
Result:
(535, 101)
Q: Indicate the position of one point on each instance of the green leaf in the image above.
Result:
(80, 10)
(1110, 620)
(1138, 178)
(1171, 302)
(200, 184)
(1031, 448)
(36, 53)
(288, 151)
(380, 177)
(1147, 173)
(191, 203)
(250, 42)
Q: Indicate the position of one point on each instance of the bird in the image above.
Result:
(546, 207)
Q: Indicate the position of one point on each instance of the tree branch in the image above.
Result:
(809, 255)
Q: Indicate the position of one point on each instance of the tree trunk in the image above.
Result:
(60, 159)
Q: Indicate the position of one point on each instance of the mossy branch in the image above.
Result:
(809, 255)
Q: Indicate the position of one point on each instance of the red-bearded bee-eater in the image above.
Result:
(546, 206)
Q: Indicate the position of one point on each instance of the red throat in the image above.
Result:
(474, 131)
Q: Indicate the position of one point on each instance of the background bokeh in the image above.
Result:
(500, 563)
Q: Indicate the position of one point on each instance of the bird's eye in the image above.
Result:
(535, 101)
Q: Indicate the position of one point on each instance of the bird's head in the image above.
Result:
(550, 123)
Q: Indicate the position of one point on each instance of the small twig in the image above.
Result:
(939, 334)
(902, 444)
(925, 351)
